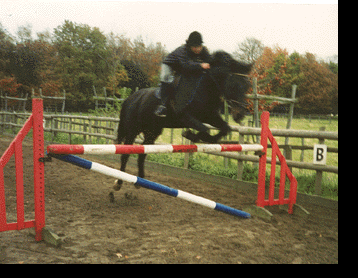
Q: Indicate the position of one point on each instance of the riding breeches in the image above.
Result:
(167, 80)
(166, 74)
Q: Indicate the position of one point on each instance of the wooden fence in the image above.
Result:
(92, 129)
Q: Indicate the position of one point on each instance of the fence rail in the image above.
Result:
(105, 127)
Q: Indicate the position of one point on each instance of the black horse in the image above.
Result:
(196, 102)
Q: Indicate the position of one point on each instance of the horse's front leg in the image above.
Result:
(124, 160)
(224, 128)
(191, 122)
(141, 160)
(222, 133)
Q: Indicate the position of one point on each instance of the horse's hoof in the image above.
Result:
(117, 185)
(111, 197)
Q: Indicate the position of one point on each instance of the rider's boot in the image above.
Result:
(165, 90)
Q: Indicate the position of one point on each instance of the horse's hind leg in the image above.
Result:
(124, 160)
(149, 139)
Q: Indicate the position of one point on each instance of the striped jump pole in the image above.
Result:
(100, 168)
(146, 149)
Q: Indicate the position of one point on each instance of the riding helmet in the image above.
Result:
(194, 39)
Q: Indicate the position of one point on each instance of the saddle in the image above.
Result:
(184, 88)
(174, 85)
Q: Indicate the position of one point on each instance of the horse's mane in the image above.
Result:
(225, 60)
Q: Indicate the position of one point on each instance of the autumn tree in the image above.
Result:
(318, 90)
(9, 86)
(8, 82)
(119, 48)
(34, 62)
(142, 62)
(50, 80)
(6, 46)
(317, 82)
(24, 60)
(148, 59)
(271, 71)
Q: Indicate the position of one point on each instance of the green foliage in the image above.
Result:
(83, 54)
(112, 110)
(74, 57)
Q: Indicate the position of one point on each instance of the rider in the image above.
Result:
(190, 58)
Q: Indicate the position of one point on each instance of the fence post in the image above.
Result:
(256, 106)
(290, 116)
(84, 130)
(70, 128)
(240, 163)
(63, 102)
(263, 160)
(319, 173)
(187, 155)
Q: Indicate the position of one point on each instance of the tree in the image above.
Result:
(24, 33)
(333, 67)
(24, 64)
(249, 50)
(8, 82)
(9, 86)
(137, 57)
(136, 77)
(6, 47)
(76, 57)
(148, 59)
(84, 60)
(274, 75)
(119, 47)
(50, 81)
(317, 82)
(318, 90)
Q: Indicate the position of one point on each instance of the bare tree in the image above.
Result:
(249, 50)
(24, 33)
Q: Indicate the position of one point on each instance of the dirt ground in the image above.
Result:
(150, 227)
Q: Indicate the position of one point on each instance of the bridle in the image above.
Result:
(246, 75)
(231, 103)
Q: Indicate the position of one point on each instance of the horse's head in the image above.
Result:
(235, 83)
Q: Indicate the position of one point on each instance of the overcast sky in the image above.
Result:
(310, 27)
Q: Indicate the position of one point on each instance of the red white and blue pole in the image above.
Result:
(100, 168)
(146, 149)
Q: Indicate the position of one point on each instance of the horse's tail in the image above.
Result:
(121, 134)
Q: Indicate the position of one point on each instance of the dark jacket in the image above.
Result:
(183, 61)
